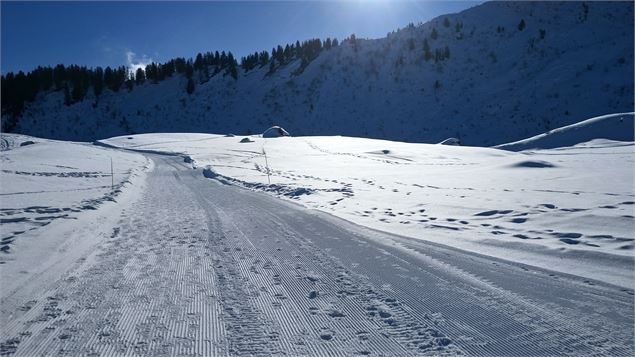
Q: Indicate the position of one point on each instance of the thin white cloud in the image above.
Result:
(135, 63)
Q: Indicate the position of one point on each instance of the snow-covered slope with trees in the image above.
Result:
(495, 73)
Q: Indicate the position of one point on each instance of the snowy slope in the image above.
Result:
(500, 84)
(536, 206)
(50, 183)
(619, 127)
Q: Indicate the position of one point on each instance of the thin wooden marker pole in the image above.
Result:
(112, 176)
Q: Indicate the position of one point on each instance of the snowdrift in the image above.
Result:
(275, 132)
(451, 141)
(618, 127)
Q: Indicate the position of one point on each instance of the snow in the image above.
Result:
(275, 132)
(450, 141)
(496, 87)
(540, 207)
(47, 183)
(618, 127)
(406, 248)
(187, 261)
(194, 267)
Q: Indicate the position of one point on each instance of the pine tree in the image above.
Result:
(108, 77)
(521, 25)
(205, 74)
(434, 35)
(168, 68)
(98, 81)
(585, 12)
(446, 22)
(353, 41)
(67, 95)
(179, 66)
(263, 58)
(190, 86)
(198, 63)
(77, 94)
(59, 76)
(130, 84)
(140, 76)
(233, 70)
(426, 50)
(327, 43)
(189, 70)
(287, 54)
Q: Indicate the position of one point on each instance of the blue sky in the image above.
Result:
(124, 33)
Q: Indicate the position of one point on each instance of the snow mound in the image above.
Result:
(12, 141)
(618, 127)
(451, 141)
(275, 132)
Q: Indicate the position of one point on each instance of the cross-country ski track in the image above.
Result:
(198, 267)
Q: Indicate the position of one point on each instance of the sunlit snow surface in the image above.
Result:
(533, 206)
(47, 182)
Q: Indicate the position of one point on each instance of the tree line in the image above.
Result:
(76, 82)
(306, 52)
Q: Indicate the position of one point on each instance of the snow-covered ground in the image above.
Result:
(174, 263)
(569, 209)
(54, 194)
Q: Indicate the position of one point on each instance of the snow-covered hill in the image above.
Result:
(515, 69)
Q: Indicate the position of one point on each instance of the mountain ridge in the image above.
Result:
(496, 73)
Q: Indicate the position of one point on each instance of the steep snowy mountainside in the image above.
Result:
(495, 73)
(618, 127)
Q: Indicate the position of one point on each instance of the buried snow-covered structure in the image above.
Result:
(275, 132)
(451, 141)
